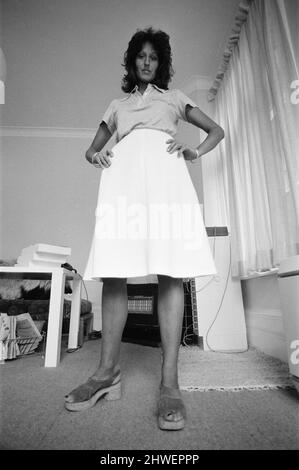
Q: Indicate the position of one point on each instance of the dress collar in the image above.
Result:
(150, 85)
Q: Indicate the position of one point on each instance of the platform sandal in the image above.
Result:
(86, 395)
(170, 402)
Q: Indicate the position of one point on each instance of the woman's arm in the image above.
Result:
(100, 140)
(199, 119)
(215, 133)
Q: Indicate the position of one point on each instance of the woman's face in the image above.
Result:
(146, 63)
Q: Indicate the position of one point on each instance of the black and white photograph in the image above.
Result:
(149, 229)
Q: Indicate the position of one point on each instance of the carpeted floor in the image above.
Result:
(33, 416)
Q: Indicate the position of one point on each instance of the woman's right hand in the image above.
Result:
(102, 159)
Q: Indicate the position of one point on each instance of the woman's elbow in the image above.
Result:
(88, 153)
(217, 132)
(221, 133)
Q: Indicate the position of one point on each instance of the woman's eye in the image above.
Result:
(141, 56)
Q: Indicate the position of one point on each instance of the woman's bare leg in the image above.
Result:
(114, 316)
(170, 313)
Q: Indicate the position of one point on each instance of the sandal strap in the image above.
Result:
(85, 391)
(169, 404)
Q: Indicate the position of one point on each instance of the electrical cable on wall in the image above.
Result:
(201, 289)
(218, 311)
(221, 301)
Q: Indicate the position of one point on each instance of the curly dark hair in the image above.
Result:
(160, 42)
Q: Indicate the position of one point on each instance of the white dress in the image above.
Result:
(148, 218)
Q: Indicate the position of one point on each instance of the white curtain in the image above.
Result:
(258, 106)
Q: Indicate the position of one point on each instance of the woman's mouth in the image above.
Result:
(146, 71)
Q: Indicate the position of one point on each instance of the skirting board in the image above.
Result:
(265, 331)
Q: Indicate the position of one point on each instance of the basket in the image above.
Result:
(28, 345)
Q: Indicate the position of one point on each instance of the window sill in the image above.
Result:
(257, 275)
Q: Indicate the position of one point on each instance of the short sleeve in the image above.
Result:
(180, 101)
(109, 117)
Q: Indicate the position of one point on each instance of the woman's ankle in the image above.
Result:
(105, 371)
(169, 384)
(169, 376)
(169, 380)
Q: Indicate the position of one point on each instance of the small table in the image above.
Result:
(58, 277)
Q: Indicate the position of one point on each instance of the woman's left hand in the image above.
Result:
(183, 150)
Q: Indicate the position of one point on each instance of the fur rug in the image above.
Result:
(11, 289)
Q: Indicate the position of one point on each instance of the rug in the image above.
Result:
(252, 370)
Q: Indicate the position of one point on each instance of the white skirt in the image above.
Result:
(148, 218)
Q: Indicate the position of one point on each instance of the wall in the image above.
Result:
(263, 316)
(50, 191)
(1, 191)
(1, 150)
(61, 56)
(65, 55)
(63, 68)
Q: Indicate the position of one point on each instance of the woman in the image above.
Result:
(146, 169)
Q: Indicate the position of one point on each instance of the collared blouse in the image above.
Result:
(156, 109)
